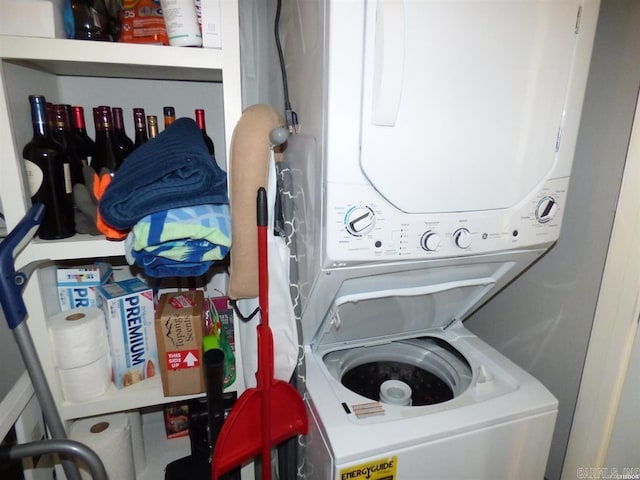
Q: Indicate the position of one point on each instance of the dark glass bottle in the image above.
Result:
(90, 19)
(62, 134)
(152, 125)
(48, 175)
(105, 153)
(85, 143)
(140, 127)
(169, 116)
(122, 143)
(203, 127)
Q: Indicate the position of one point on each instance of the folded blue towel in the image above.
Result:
(159, 267)
(172, 170)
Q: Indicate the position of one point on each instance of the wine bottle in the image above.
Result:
(140, 127)
(90, 19)
(169, 116)
(203, 127)
(62, 134)
(122, 143)
(48, 175)
(105, 154)
(152, 125)
(86, 145)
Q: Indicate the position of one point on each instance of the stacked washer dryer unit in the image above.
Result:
(436, 145)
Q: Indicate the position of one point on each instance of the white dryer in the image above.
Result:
(433, 162)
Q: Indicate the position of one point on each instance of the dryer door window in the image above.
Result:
(463, 100)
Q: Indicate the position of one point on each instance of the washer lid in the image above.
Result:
(380, 315)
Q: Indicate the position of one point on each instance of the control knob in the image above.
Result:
(546, 209)
(359, 221)
(462, 238)
(430, 241)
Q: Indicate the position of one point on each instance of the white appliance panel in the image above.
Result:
(361, 227)
(463, 100)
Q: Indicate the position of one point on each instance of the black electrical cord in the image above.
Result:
(291, 117)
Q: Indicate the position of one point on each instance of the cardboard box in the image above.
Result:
(76, 285)
(179, 326)
(129, 313)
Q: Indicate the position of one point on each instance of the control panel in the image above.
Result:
(363, 227)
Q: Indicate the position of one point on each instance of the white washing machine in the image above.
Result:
(397, 388)
(432, 167)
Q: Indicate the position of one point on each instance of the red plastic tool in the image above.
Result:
(273, 411)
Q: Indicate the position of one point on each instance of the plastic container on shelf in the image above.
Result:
(181, 21)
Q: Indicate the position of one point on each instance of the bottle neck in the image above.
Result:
(118, 122)
(140, 126)
(66, 111)
(77, 114)
(59, 120)
(103, 121)
(169, 116)
(200, 119)
(39, 116)
(152, 122)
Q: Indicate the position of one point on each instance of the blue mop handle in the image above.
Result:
(12, 283)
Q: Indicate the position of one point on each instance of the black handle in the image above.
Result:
(263, 210)
(214, 384)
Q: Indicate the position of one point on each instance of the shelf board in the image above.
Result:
(142, 394)
(112, 59)
(77, 247)
(14, 402)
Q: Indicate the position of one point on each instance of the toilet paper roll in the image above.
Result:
(84, 383)
(137, 442)
(79, 336)
(110, 437)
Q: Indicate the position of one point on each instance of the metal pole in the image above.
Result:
(43, 393)
(70, 448)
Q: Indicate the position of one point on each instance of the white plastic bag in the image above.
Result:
(281, 315)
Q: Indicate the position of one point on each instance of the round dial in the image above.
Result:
(546, 209)
(359, 221)
(462, 238)
(430, 241)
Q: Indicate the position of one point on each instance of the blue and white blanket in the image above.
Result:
(180, 241)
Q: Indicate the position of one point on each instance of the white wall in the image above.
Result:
(596, 433)
(624, 449)
(543, 320)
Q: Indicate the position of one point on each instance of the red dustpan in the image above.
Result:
(273, 411)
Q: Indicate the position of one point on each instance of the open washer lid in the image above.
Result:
(373, 316)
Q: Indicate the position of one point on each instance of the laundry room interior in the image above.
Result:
(460, 293)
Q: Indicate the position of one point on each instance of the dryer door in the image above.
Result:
(463, 100)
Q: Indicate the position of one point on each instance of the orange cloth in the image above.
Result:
(100, 184)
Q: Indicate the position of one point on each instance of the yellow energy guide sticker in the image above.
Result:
(381, 469)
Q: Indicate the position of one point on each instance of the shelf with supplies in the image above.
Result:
(112, 59)
(142, 394)
(89, 74)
